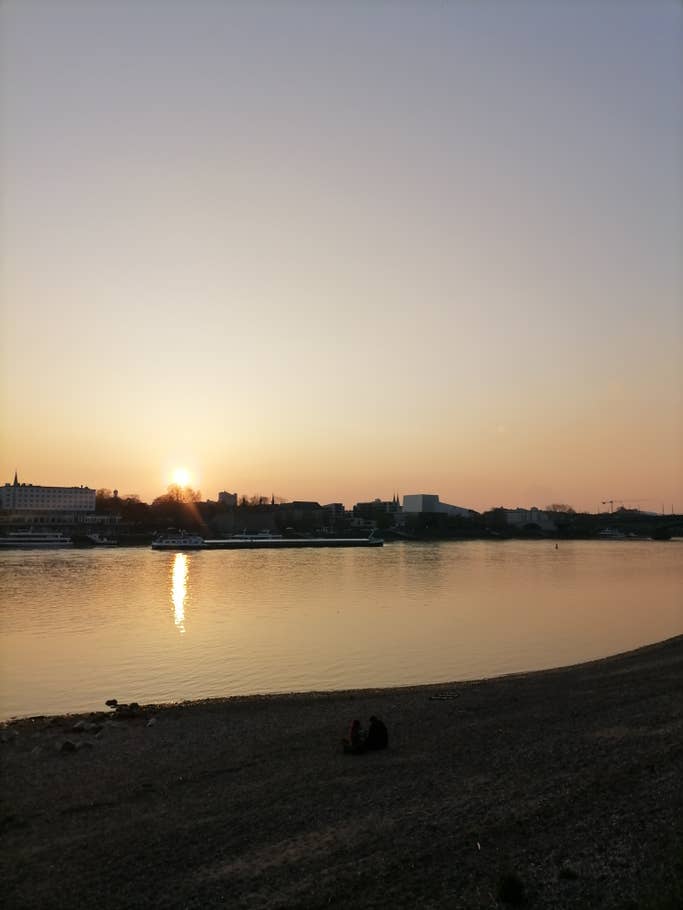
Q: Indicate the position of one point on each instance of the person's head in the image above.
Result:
(373, 719)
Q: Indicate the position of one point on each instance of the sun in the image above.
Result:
(181, 477)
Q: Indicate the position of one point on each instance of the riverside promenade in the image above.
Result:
(557, 789)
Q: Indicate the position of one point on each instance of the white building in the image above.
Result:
(415, 503)
(28, 497)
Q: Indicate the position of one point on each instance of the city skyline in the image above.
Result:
(344, 249)
(398, 498)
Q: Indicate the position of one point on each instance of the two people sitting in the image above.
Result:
(359, 740)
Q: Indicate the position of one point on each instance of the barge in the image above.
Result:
(290, 543)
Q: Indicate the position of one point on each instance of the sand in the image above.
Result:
(566, 781)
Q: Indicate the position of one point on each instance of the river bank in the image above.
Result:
(565, 781)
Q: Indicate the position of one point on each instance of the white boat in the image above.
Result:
(99, 541)
(30, 540)
(178, 540)
(611, 534)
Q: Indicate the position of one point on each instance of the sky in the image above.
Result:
(337, 251)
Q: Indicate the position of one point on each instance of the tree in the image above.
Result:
(559, 507)
(177, 494)
(104, 501)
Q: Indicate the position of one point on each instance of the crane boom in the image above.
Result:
(610, 502)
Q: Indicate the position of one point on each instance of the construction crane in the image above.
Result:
(610, 502)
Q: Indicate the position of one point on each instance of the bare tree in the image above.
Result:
(176, 493)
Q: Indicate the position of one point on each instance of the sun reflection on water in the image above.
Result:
(179, 590)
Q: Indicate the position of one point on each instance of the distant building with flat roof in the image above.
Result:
(415, 503)
(227, 499)
(28, 497)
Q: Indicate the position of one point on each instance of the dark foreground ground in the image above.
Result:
(549, 790)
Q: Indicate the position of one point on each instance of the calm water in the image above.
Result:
(82, 626)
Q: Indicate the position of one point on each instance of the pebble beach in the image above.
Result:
(555, 789)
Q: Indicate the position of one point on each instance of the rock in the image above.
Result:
(151, 721)
(36, 750)
(111, 702)
(126, 711)
(85, 744)
(66, 746)
(79, 727)
(93, 728)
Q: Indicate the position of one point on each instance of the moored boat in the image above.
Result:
(31, 540)
(178, 540)
(98, 541)
(273, 542)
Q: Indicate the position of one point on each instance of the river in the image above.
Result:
(78, 627)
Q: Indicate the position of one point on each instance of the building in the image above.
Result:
(415, 503)
(227, 499)
(302, 513)
(370, 509)
(335, 516)
(520, 518)
(28, 497)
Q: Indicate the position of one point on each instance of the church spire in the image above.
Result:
(16, 479)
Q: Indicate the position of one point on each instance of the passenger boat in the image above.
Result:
(31, 540)
(178, 540)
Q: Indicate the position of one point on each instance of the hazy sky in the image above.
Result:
(339, 250)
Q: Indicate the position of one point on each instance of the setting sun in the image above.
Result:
(181, 476)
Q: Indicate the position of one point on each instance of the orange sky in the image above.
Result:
(336, 253)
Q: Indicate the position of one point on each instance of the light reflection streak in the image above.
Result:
(179, 590)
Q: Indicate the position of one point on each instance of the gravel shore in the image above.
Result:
(557, 789)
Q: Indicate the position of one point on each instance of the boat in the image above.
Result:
(611, 534)
(178, 540)
(98, 541)
(276, 542)
(31, 540)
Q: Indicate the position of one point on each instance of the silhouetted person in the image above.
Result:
(377, 737)
(356, 740)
